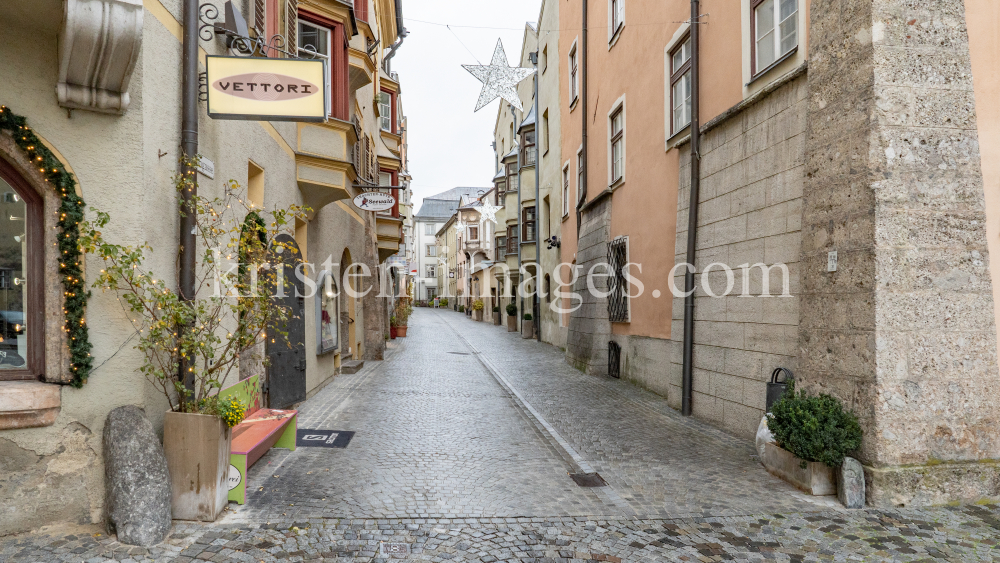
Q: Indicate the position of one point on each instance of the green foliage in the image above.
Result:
(230, 410)
(70, 215)
(511, 309)
(461, 308)
(527, 316)
(496, 308)
(232, 312)
(443, 302)
(478, 305)
(814, 428)
(401, 313)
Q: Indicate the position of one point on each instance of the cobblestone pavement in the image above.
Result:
(465, 436)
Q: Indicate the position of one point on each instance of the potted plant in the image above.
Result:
(443, 302)
(812, 436)
(401, 315)
(477, 309)
(189, 348)
(392, 328)
(496, 315)
(461, 308)
(511, 317)
(527, 327)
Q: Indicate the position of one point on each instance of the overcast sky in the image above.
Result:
(449, 144)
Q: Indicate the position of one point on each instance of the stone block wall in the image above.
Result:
(589, 327)
(750, 212)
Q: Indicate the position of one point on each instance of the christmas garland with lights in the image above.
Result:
(70, 215)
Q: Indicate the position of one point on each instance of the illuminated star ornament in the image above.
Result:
(489, 212)
(499, 79)
(459, 226)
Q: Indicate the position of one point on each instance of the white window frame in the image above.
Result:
(385, 120)
(430, 250)
(775, 30)
(566, 180)
(430, 271)
(614, 31)
(680, 35)
(618, 105)
(579, 173)
(324, 56)
(429, 229)
(572, 60)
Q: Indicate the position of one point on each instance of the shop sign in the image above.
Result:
(258, 88)
(374, 201)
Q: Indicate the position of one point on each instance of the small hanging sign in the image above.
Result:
(374, 201)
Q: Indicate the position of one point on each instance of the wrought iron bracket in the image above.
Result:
(202, 86)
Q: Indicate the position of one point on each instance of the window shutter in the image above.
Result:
(258, 16)
(292, 26)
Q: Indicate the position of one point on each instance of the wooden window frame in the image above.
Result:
(527, 146)
(392, 111)
(675, 77)
(617, 137)
(501, 244)
(512, 239)
(34, 298)
(473, 229)
(779, 57)
(525, 222)
(337, 63)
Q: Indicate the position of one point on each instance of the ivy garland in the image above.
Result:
(70, 215)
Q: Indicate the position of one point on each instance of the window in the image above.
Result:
(430, 271)
(328, 313)
(431, 250)
(473, 232)
(548, 289)
(618, 144)
(775, 31)
(680, 86)
(314, 43)
(617, 19)
(545, 132)
(579, 175)
(429, 229)
(528, 222)
(361, 10)
(385, 111)
(565, 190)
(618, 297)
(512, 239)
(21, 279)
(528, 152)
(501, 246)
(572, 75)
(512, 177)
(545, 58)
(500, 186)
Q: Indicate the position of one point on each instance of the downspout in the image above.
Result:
(536, 307)
(582, 196)
(189, 151)
(688, 358)
(520, 232)
(401, 32)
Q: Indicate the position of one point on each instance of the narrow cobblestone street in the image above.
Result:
(465, 439)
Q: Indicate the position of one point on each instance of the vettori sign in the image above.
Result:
(272, 89)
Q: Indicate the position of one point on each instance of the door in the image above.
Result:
(286, 372)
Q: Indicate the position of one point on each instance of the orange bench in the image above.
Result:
(262, 430)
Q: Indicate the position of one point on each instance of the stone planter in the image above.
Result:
(815, 478)
(511, 323)
(197, 450)
(527, 329)
(496, 318)
(401, 332)
(478, 315)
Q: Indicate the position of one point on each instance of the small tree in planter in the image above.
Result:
(477, 309)
(401, 315)
(815, 430)
(443, 302)
(528, 326)
(511, 317)
(190, 347)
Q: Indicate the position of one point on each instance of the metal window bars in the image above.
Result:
(618, 306)
(614, 359)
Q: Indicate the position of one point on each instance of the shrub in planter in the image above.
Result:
(496, 308)
(511, 309)
(478, 305)
(461, 308)
(814, 428)
(443, 302)
(527, 316)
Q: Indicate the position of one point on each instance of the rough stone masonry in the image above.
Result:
(904, 330)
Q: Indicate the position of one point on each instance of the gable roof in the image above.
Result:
(443, 205)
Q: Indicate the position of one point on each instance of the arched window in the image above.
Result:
(327, 313)
(22, 298)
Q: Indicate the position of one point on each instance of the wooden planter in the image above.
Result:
(401, 331)
(511, 323)
(816, 478)
(197, 449)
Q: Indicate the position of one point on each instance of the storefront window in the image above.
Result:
(20, 235)
(328, 314)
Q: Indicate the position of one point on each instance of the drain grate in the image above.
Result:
(589, 479)
(394, 550)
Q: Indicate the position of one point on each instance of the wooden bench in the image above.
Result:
(260, 431)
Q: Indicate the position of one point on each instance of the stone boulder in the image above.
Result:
(137, 484)
(851, 484)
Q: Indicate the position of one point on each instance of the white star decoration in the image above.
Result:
(459, 226)
(499, 80)
(489, 212)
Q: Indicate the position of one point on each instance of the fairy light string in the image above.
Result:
(75, 293)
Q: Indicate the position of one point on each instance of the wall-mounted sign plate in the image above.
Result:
(374, 201)
(266, 89)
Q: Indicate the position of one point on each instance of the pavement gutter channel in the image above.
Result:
(577, 463)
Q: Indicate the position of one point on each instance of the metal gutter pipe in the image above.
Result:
(689, 275)
(536, 308)
(189, 151)
(582, 196)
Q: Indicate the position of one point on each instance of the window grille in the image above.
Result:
(614, 359)
(618, 306)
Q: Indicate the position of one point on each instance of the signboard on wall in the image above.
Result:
(374, 201)
(266, 89)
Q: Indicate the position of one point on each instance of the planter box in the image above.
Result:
(392, 332)
(511, 324)
(528, 329)
(478, 315)
(401, 331)
(496, 318)
(197, 449)
(816, 478)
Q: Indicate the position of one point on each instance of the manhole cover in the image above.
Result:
(589, 479)
(459, 353)
(395, 550)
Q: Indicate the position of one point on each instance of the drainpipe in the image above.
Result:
(583, 116)
(520, 230)
(189, 150)
(688, 358)
(536, 308)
